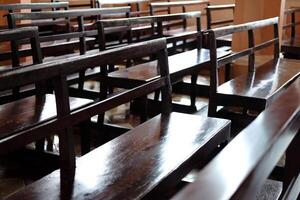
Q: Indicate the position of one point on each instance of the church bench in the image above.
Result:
(64, 42)
(242, 167)
(70, 40)
(134, 4)
(142, 73)
(255, 89)
(291, 43)
(211, 22)
(142, 163)
(14, 60)
(155, 23)
(157, 6)
(180, 67)
(33, 118)
(33, 7)
(79, 4)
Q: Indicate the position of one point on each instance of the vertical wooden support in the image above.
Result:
(251, 10)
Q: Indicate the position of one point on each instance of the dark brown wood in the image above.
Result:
(163, 7)
(187, 63)
(211, 23)
(247, 91)
(241, 168)
(64, 42)
(34, 6)
(290, 45)
(139, 163)
(122, 25)
(17, 132)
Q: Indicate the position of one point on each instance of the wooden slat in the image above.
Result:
(241, 168)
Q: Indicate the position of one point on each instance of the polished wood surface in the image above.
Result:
(137, 163)
(264, 83)
(243, 90)
(240, 169)
(31, 111)
(180, 65)
(212, 22)
(34, 6)
(291, 44)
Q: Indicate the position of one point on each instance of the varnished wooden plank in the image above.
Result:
(42, 71)
(180, 64)
(30, 111)
(33, 6)
(265, 82)
(115, 171)
(241, 168)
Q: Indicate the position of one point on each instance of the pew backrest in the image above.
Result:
(293, 23)
(242, 167)
(162, 6)
(155, 21)
(250, 51)
(56, 72)
(211, 22)
(12, 55)
(134, 4)
(63, 18)
(34, 6)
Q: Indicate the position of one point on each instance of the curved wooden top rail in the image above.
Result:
(116, 2)
(16, 6)
(148, 19)
(244, 164)
(222, 31)
(291, 10)
(221, 7)
(19, 33)
(178, 3)
(69, 13)
(44, 71)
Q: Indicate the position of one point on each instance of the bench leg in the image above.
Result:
(85, 136)
(40, 144)
(67, 153)
(156, 95)
(144, 105)
(227, 72)
(193, 94)
(81, 80)
(292, 162)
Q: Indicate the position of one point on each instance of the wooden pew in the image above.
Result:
(182, 64)
(33, 118)
(79, 4)
(176, 4)
(224, 41)
(291, 45)
(256, 89)
(13, 56)
(64, 44)
(128, 26)
(134, 4)
(33, 7)
(143, 162)
(14, 60)
(241, 168)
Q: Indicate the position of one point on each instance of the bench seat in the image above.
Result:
(181, 64)
(291, 47)
(148, 159)
(27, 112)
(259, 88)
